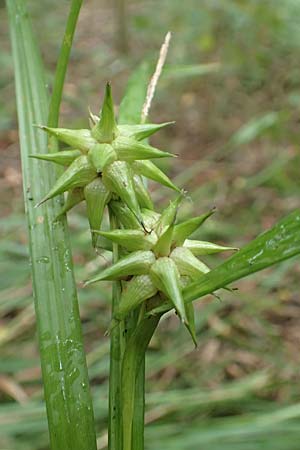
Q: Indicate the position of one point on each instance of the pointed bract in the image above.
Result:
(129, 149)
(132, 240)
(118, 178)
(163, 245)
(136, 263)
(199, 248)
(142, 194)
(136, 291)
(78, 174)
(150, 170)
(64, 157)
(187, 263)
(168, 216)
(81, 139)
(96, 197)
(165, 276)
(105, 131)
(183, 230)
(74, 197)
(101, 155)
(141, 131)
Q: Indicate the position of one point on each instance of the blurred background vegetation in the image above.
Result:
(232, 83)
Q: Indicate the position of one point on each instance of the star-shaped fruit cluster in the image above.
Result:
(160, 259)
(105, 162)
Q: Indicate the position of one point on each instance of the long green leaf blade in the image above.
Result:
(69, 408)
(277, 244)
(62, 63)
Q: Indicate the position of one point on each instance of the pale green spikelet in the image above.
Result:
(81, 139)
(168, 216)
(96, 196)
(124, 215)
(142, 194)
(118, 178)
(132, 240)
(183, 230)
(101, 155)
(150, 218)
(187, 263)
(163, 245)
(63, 158)
(149, 170)
(78, 174)
(199, 248)
(105, 130)
(136, 263)
(74, 197)
(165, 276)
(137, 290)
(142, 131)
(129, 149)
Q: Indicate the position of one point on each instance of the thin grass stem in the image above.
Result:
(117, 344)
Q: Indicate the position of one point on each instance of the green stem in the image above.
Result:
(138, 423)
(133, 360)
(62, 63)
(117, 342)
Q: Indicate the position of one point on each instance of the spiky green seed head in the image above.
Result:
(107, 145)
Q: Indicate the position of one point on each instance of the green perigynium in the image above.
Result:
(106, 162)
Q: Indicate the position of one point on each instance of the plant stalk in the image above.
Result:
(133, 362)
(117, 342)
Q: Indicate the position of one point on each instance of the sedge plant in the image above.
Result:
(156, 264)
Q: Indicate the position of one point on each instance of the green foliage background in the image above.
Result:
(237, 140)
